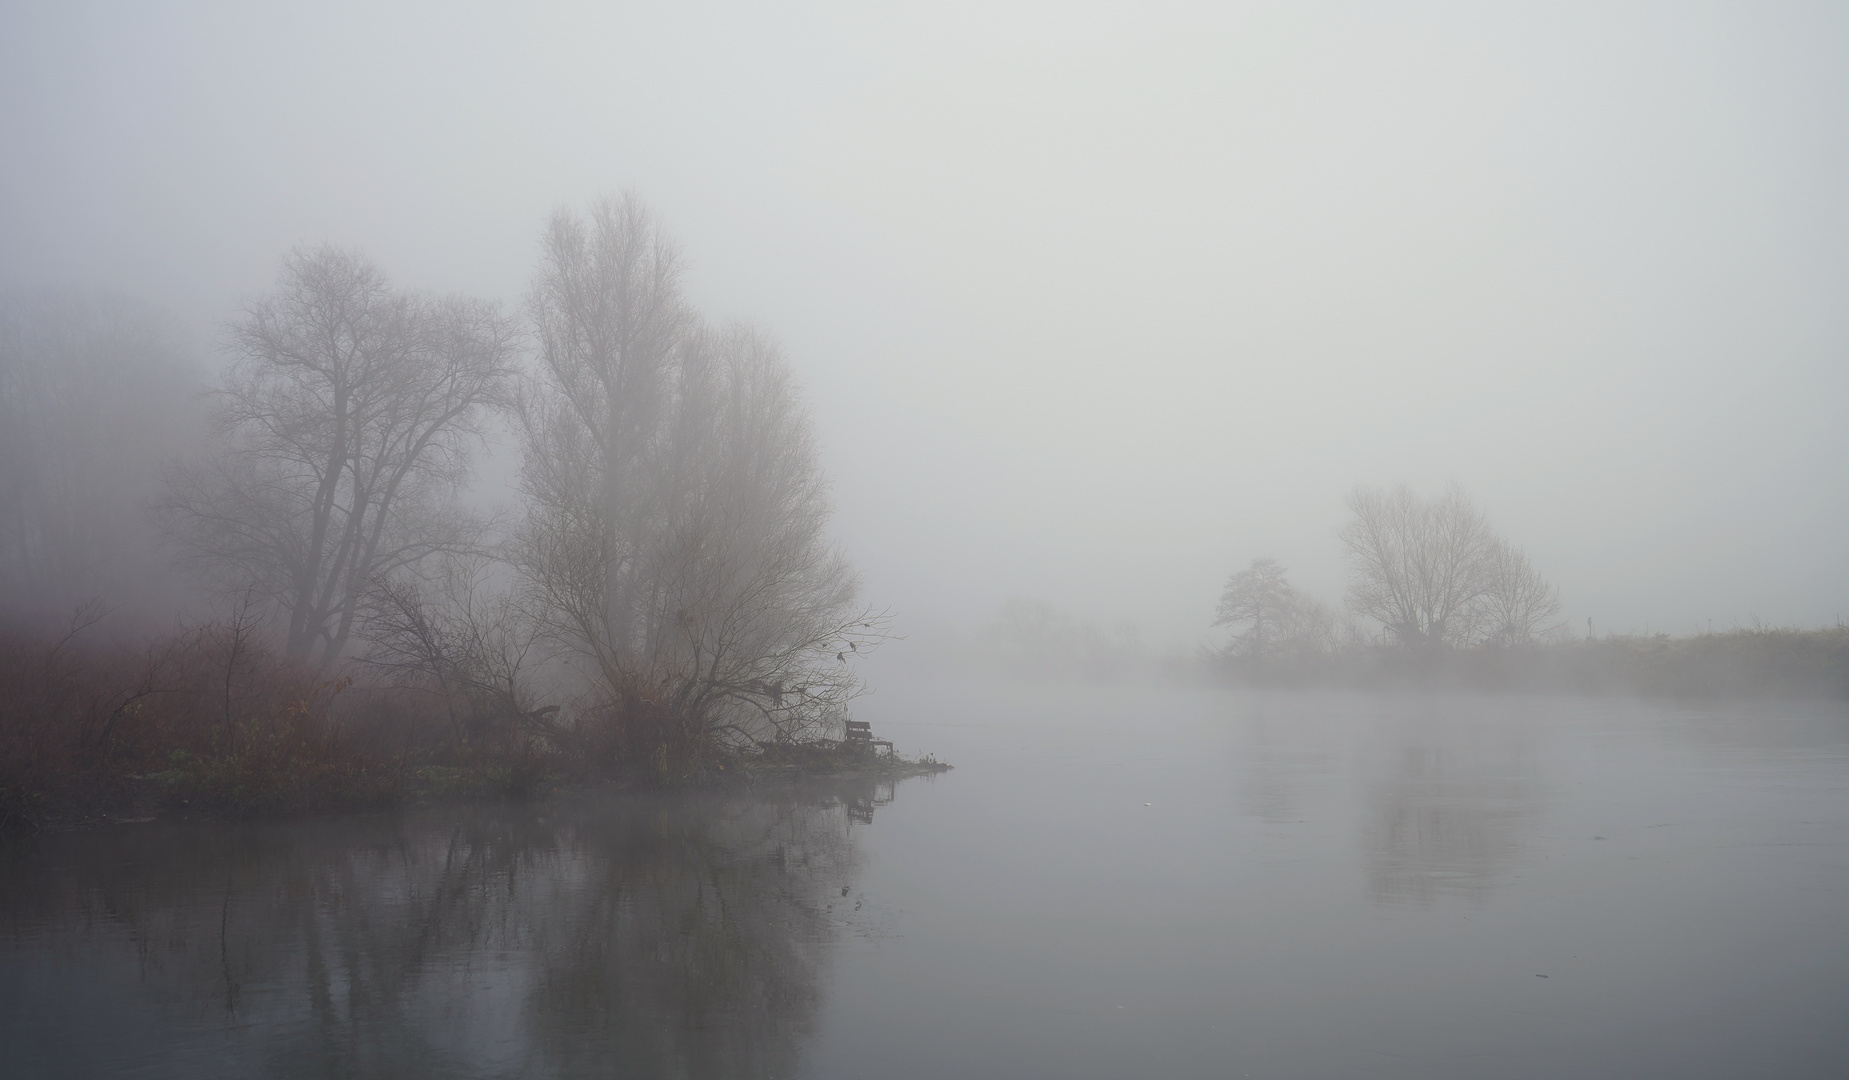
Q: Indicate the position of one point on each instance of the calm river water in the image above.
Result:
(1114, 882)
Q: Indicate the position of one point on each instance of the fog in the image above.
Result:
(1341, 509)
(1091, 304)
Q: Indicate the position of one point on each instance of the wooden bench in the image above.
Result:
(860, 733)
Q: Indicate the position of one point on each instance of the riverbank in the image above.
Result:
(798, 762)
(1764, 662)
(230, 790)
(205, 722)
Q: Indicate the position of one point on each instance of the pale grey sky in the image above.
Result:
(1094, 302)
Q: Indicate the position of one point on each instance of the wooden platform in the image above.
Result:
(860, 733)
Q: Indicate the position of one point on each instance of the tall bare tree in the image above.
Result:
(348, 418)
(610, 318)
(1420, 567)
(675, 535)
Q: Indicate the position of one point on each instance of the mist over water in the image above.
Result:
(1344, 884)
(1358, 494)
(1180, 883)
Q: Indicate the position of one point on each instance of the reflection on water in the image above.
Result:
(1282, 750)
(1447, 811)
(614, 937)
(1134, 882)
(864, 798)
(1438, 791)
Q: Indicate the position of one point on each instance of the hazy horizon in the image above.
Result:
(1091, 304)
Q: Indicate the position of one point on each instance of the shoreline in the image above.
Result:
(174, 795)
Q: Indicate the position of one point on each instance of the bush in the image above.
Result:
(207, 718)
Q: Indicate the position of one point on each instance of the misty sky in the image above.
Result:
(1093, 303)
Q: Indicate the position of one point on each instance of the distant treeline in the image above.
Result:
(1437, 599)
(1759, 662)
(1035, 640)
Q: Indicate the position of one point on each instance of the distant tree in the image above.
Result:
(1420, 567)
(1519, 605)
(348, 420)
(95, 394)
(1434, 574)
(1032, 636)
(1313, 628)
(1261, 606)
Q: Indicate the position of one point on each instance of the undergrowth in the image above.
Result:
(209, 721)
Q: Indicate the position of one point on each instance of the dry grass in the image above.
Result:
(1754, 662)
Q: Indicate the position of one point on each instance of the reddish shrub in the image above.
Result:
(208, 717)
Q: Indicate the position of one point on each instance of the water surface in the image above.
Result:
(1115, 881)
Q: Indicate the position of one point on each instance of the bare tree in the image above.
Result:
(237, 634)
(1261, 605)
(1519, 606)
(610, 318)
(1419, 567)
(1270, 616)
(94, 396)
(1313, 628)
(675, 538)
(348, 418)
(467, 640)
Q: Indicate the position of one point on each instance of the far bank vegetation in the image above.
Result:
(1437, 599)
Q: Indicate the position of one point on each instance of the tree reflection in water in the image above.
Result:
(623, 936)
(1449, 806)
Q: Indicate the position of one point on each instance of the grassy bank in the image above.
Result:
(1758, 662)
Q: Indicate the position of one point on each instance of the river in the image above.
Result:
(1115, 881)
